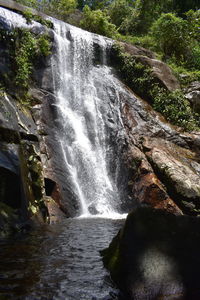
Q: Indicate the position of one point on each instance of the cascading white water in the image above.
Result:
(87, 104)
(83, 137)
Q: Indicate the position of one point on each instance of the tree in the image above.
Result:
(171, 35)
(94, 4)
(146, 12)
(58, 8)
(29, 3)
(98, 22)
(193, 18)
(182, 6)
(119, 10)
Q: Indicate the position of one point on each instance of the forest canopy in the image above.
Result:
(171, 28)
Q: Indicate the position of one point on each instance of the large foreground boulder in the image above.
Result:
(156, 256)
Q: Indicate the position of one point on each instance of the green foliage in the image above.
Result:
(98, 22)
(145, 13)
(93, 4)
(29, 3)
(193, 60)
(173, 105)
(24, 53)
(137, 76)
(184, 75)
(171, 35)
(60, 9)
(43, 45)
(176, 108)
(57, 8)
(145, 41)
(193, 18)
(182, 6)
(25, 49)
(119, 10)
(29, 16)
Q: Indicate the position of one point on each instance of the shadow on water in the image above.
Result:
(58, 262)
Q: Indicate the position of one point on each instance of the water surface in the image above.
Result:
(58, 262)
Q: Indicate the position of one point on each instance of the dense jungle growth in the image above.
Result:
(171, 29)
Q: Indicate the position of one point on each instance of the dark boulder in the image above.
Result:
(156, 256)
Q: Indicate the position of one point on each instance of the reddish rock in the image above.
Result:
(147, 188)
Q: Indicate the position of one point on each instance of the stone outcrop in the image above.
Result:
(161, 73)
(155, 256)
(163, 160)
(23, 154)
(146, 186)
(193, 95)
(22, 183)
(179, 168)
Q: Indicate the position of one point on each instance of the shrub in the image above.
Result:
(173, 105)
(137, 76)
(25, 48)
(29, 16)
(193, 18)
(176, 108)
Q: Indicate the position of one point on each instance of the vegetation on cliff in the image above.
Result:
(169, 28)
(25, 49)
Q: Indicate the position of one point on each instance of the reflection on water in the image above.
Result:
(58, 262)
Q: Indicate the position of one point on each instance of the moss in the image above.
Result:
(33, 180)
(111, 256)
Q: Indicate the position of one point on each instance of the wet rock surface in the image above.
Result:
(21, 186)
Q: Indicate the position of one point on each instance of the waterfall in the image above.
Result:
(80, 88)
(88, 122)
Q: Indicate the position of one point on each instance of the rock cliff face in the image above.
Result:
(26, 186)
(154, 256)
(156, 253)
(162, 161)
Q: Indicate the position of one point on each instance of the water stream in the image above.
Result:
(62, 262)
(83, 104)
